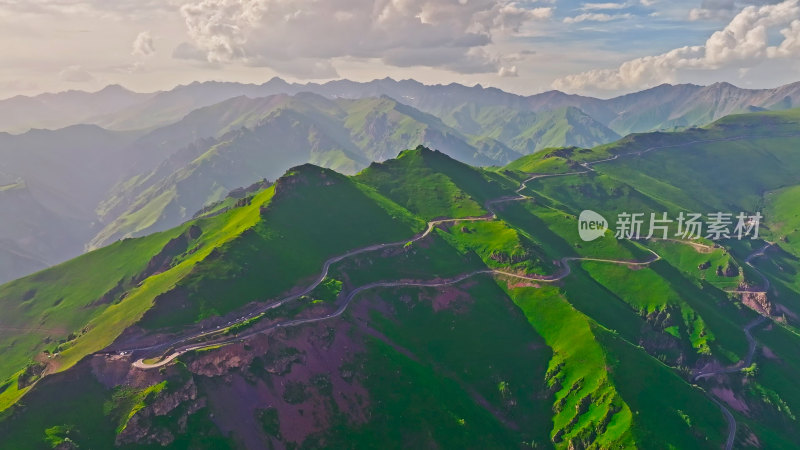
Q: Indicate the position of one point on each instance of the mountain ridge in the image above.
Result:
(578, 353)
(198, 94)
(478, 125)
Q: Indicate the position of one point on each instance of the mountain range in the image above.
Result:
(126, 164)
(422, 301)
(661, 107)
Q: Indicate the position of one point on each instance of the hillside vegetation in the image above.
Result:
(320, 311)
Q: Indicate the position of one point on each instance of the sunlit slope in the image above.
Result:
(570, 344)
(81, 306)
(433, 185)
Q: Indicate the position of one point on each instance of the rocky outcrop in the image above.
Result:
(31, 373)
(505, 258)
(759, 302)
(144, 428)
(219, 363)
(729, 271)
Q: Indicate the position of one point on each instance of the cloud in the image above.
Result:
(602, 6)
(300, 37)
(723, 9)
(186, 50)
(596, 17)
(126, 9)
(75, 74)
(713, 9)
(742, 43)
(506, 71)
(143, 44)
(306, 68)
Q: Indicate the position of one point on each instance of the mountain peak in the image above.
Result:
(420, 150)
(114, 89)
(722, 85)
(306, 175)
(276, 81)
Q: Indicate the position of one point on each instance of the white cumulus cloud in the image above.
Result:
(143, 44)
(742, 43)
(508, 71)
(301, 37)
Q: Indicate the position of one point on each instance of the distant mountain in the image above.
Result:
(250, 139)
(50, 185)
(21, 113)
(193, 144)
(667, 106)
(661, 107)
(88, 186)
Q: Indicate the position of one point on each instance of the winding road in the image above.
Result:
(751, 344)
(178, 347)
(189, 343)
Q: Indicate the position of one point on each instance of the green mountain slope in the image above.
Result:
(258, 138)
(432, 185)
(321, 312)
(528, 131)
(102, 185)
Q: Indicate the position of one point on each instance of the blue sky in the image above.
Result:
(600, 48)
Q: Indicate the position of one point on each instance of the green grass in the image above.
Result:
(141, 217)
(576, 371)
(433, 257)
(499, 246)
(776, 394)
(126, 402)
(565, 356)
(76, 405)
(265, 260)
(660, 401)
(432, 185)
(689, 260)
(550, 160)
(783, 216)
(556, 231)
(428, 383)
(107, 326)
(74, 285)
(52, 304)
(648, 293)
(68, 401)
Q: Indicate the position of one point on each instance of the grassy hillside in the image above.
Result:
(528, 131)
(251, 139)
(576, 345)
(549, 160)
(307, 208)
(94, 298)
(431, 184)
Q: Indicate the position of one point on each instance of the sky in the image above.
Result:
(601, 48)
